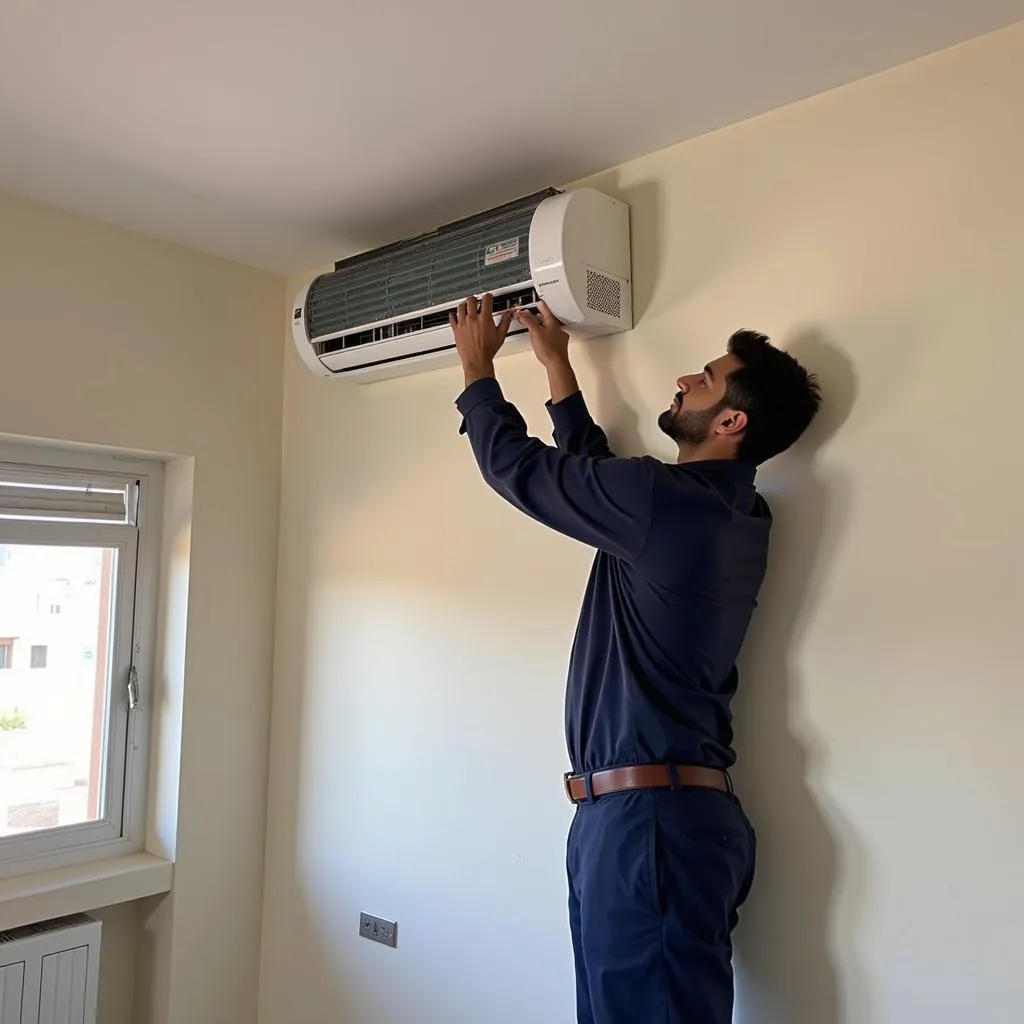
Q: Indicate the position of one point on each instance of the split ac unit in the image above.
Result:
(384, 313)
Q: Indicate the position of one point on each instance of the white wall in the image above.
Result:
(424, 627)
(112, 339)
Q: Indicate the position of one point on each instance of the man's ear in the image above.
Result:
(731, 423)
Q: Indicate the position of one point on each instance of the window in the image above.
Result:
(73, 735)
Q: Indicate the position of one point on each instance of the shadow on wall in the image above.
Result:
(614, 408)
(614, 402)
(786, 966)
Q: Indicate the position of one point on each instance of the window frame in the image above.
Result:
(122, 829)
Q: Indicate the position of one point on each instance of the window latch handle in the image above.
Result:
(133, 688)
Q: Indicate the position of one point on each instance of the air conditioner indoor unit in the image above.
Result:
(384, 313)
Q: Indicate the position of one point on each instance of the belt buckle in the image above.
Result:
(566, 779)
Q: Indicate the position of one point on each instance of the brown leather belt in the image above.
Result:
(644, 776)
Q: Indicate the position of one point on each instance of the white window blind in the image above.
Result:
(65, 497)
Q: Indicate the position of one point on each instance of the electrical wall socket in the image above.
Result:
(377, 929)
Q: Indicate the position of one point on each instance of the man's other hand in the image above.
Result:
(549, 338)
(477, 337)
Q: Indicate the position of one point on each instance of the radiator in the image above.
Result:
(49, 972)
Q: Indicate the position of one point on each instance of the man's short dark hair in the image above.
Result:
(778, 395)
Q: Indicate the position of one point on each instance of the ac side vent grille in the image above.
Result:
(604, 294)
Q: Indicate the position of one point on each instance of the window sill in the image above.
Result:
(56, 893)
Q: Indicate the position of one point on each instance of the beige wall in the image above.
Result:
(112, 339)
(424, 627)
(118, 949)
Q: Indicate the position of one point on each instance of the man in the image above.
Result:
(660, 854)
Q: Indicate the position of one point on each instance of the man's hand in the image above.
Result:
(477, 337)
(550, 343)
(549, 339)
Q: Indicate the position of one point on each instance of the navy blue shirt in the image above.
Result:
(682, 551)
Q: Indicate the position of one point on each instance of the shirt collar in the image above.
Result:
(730, 469)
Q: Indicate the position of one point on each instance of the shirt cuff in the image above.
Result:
(569, 413)
(486, 389)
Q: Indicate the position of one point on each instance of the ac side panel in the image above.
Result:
(598, 258)
(580, 261)
(547, 266)
(300, 335)
(597, 232)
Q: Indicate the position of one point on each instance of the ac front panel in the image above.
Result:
(488, 252)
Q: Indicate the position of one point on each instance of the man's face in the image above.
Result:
(699, 402)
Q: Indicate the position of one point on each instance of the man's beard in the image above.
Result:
(688, 427)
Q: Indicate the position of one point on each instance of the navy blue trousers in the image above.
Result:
(656, 878)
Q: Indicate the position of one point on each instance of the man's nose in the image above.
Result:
(683, 384)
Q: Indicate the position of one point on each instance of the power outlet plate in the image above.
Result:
(377, 929)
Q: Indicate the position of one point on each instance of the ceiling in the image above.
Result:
(287, 134)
